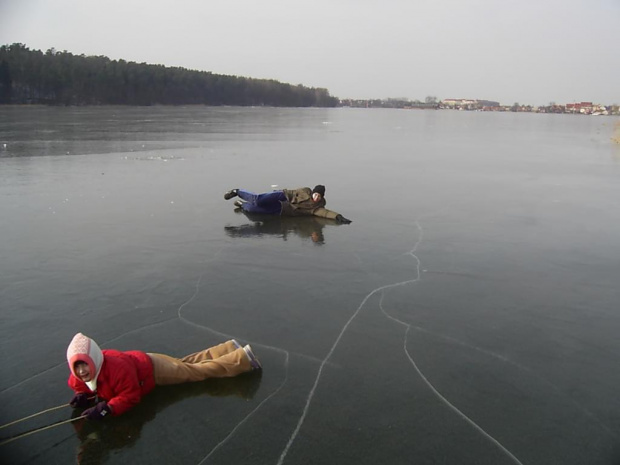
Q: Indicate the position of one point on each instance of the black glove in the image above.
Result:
(342, 220)
(80, 400)
(98, 411)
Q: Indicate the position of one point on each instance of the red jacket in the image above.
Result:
(124, 378)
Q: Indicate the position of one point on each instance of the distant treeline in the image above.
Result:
(61, 78)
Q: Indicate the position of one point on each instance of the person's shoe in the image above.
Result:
(238, 203)
(236, 343)
(230, 194)
(253, 360)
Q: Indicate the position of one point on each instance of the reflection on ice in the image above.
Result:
(514, 323)
(306, 227)
(99, 440)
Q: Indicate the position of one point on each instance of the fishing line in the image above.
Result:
(35, 415)
(43, 428)
(36, 430)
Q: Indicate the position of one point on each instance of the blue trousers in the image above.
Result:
(267, 203)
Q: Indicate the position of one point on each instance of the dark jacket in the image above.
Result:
(299, 203)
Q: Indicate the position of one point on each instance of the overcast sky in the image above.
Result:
(526, 51)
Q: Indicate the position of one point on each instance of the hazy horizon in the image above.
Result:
(527, 52)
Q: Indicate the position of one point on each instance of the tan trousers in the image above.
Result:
(221, 361)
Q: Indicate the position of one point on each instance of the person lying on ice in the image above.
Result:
(295, 202)
(118, 380)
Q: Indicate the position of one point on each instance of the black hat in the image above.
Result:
(319, 189)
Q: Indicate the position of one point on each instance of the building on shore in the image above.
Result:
(580, 108)
(468, 104)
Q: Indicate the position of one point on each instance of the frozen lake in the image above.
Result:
(469, 314)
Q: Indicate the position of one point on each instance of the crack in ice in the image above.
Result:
(431, 387)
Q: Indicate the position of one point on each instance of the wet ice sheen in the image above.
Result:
(127, 239)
